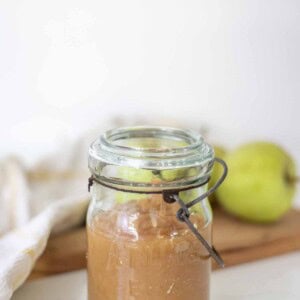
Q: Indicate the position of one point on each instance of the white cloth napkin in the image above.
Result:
(46, 199)
(50, 198)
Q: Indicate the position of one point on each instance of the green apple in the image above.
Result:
(148, 176)
(260, 185)
(171, 175)
(216, 171)
(135, 175)
(174, 174)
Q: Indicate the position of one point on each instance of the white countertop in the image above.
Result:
(275, 278)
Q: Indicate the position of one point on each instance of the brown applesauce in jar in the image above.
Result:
(139, 250)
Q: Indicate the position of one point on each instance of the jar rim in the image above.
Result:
(107, 148)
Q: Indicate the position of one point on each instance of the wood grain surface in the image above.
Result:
(238, 242)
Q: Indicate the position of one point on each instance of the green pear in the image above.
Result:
(261, 182)
(216, 171)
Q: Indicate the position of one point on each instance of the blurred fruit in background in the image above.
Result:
(261, 182)
(216, 171)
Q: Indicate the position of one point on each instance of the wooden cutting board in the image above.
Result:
(238, 242)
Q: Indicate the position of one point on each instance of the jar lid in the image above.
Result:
(150, 148)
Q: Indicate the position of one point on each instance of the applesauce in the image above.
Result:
(139, 250)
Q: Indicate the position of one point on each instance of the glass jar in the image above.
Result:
(139, 244)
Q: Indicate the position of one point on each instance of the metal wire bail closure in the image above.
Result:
(183, 214)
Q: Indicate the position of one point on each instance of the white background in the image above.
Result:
(66, 66)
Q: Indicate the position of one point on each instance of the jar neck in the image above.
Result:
(151, 158)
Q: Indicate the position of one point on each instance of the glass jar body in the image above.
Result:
(138, 249)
